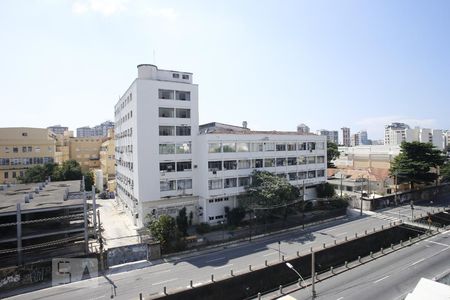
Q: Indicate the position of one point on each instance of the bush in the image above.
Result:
(203, 228)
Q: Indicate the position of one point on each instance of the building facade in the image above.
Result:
(58, 129)
(395, 133)
(346, 140)
(332, 135)
(22, 148)
(165, 161)
(108, 160)
(96, 131)
(86, 151)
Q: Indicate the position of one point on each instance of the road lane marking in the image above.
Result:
(419, 261)
(98, 297)
(445, 245)
(340, 234)
(340, 298)
(273, 253)
(376, 281)
(221, 267)
(165, 281)
(216, 259)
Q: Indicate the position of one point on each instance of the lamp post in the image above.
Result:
(223, 229)
(290, 266)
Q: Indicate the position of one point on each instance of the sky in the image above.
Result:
(275, 64)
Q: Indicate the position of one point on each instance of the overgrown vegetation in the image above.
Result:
(332, 154)
(325, 190)
(164, 229)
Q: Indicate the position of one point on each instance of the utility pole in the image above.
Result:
(313, 274)
(362, 185)
(395, 186)
(341, 183)
(100, 240)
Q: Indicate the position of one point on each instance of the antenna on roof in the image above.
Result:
(154, 57)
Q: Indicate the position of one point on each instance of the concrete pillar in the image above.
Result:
(94, 210)
(19, 234)
(86, 237)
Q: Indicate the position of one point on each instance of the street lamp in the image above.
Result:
(290, 266)
(223, 229)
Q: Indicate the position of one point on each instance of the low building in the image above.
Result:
(107, 159)
(42, 221)
(362, 157)
(86, 151)
(22, 148)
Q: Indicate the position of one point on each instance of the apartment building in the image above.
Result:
(332, 135)
(166, 162)
(346, 140)
(98, 130)
(86, 151)
(107, 158)
(22, 148)
(394, 134)
(426, 135)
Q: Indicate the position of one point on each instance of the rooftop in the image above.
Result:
(221, 128)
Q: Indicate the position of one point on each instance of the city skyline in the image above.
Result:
(319, 63)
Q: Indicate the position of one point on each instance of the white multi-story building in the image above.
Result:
(395, 133)
(164, 163)
(426, 135)
(346, 140)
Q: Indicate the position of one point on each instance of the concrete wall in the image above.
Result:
(29, 274)
(126, 254)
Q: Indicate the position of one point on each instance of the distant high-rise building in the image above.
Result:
(99, 130)
(303, 129)
(346, 141)
(363, 140)
(395, 133)
(332, 135)
(355, 140)
(58, 129)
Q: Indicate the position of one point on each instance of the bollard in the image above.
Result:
(299, 282)
(140, 296)
(374, 229)
(392, 246)
(259, 296)
(371, 254)
(165, 291)
(345, 238)
(359, 259)
(281, 289)
(335, 242)
(191, 284)
(382, 227)
(401, 243)
(365, 232)
(410, 240)
(282, 257)
(265, 262)
(212, 277)
(356, 235)
(231, 271)
(390, 224)
(249, 267)
(310, 249)
(381, 250)
(346, 264)
(331, 270)
(323, 245)
(298, 253)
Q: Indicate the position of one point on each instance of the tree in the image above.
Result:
(38, 173)
(182, 221)
(445, 172)
(332, 153)
(165, 231)
(269, 192)
(415, 161)
(70, 170)
(325, 190)
(88, 181)
(235, 215)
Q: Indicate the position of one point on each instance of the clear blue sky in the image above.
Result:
(275, 64)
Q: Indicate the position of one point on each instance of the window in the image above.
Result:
(281, 162)
(292, 176)
(311, 174)
(183, 130)
(166, 148)
(183, 113)
(311, 159)
(320, 145)
(291, 147)
(281, 147)
(15, 149)
(301, 160)
(166, 130)
(320, 159)
(165, 94)
(183, 148)
(14, 174)
(282, 175)
(211, 218)
(6, 175)
(301, 175)
(214, 184)
(311, 146)
(244, 181)
(184, 184)
(6, 149)
(24, 133)
(214, 147)
(185, 76)
(167, 185)
(269, 147)
(215, 165)
(302, 146)
(167, 166)
(291, 161)
(320, 173)
(257, 147)
(230, 182)
(184, 166)
(244, 164)
(183, 96)
(269, 162)
(229, 165)
(243, 147)
(30, 149)
(165, 112)
(229, 147)
(24, 149)
(175, 75)
(257, 163)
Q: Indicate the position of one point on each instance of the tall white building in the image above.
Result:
(426, 135)
(395, 133)
(346, 139)
(164, 163)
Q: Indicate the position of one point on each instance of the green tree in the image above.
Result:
(88, 180)
(414, 163)
(38, 173)
(164, 230)
(269, 192)
(235, 215)
(332, 154)
(325, 190)
(445, 172)
(182, 221)
(69, 170)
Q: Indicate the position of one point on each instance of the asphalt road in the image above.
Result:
(178, 272)
(389, 277)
